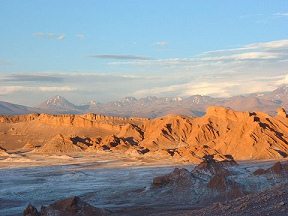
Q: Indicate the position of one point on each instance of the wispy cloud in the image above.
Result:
(31, 78)
(264, 51)
(252, 67)
(5, 90)
(120, 57)
(161, 44)
(278, 44)
(56, 88)
(281, 14)
(49, 35)
(80, 36)
(4, 62)
(216, 88)
(190, 88)
(246, 69)
(246, 16)
(80, 86)
(264, 19)
(68, 77)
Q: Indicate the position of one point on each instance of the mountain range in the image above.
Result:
(151, 106)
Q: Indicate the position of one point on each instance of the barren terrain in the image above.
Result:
(125, 166)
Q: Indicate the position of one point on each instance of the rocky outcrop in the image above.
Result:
(132, 133)
(221, 132)
(212, 167)
(58, 145)
(225, 187)
(226, 113)
(3, 152)
(211, 176)
(179, 177)
(270, 202)
(281, 112)
(31, 211)
(29, 146)
(113, 143)
(18, 118)
(70, 119)
(277, 169)
(73, 206)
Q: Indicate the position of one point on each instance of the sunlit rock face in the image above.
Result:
(221, 132)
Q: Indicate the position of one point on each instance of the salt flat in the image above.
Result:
(117, 185)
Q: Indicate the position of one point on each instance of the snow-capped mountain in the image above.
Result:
(59, 104)
(152, 106)
(92, 103)
(128, 100)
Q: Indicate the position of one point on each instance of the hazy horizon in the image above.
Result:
(106, 50)
(71, 100)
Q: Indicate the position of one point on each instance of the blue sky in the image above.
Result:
(105, 50)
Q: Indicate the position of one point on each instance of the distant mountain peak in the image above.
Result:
(128, 99)
(282, 89)
(58, 103)
(177, 99)
(56, 100)
(152, 106)
(92, 102)
(173, 99)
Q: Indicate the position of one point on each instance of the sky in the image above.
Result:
(105, 50)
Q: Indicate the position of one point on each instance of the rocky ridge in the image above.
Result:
(219, 185)
(220, 132)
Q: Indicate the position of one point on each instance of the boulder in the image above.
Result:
(72, 206)
(58, 145)
(180, 177)
(3, 152)
(225, 187)
(277, 169)
(212, 167)
(31, 211)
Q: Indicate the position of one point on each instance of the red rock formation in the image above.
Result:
(277, 169)
(58, 145)
(18, 118)
(240, 134)
(281, 112)
(73, 206)
(222, 131)
(211, 175)
(31, 211)
(225, 187)
(214, 167)
(3, 152)
(179, 177)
